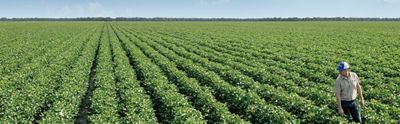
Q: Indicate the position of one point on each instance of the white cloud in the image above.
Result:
(90, 9)
(213, 2)
(94, 6)
(66, 9)
(389, 1)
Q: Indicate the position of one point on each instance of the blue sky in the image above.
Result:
(199, 8)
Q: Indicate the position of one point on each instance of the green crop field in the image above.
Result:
(194, 72)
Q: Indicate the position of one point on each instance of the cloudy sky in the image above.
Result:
(199, 8)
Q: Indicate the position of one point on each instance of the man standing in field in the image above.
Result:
(347, 88)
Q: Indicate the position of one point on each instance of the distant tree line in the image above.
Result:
(201, 19)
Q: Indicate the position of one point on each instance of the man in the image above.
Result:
(347, 88)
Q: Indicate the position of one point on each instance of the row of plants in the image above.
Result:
(104, 102)
(325, 98)
(201, 97)
(315, 88)
(29, 93)
(169, 104)
(135, 104)
(68, 99)
(268, 92)
(247, 104)
(380, 92)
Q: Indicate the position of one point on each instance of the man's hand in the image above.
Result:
(362, 102)
(341, 112)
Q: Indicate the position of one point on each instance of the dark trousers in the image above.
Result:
(350, 108)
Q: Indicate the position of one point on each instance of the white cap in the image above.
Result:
(342, 66)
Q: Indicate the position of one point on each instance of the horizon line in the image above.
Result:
(198, 17)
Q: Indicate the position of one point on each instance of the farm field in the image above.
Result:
(194, 72)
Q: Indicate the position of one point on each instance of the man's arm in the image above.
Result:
(359, 93)
(338, 98)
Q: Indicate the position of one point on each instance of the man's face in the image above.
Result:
(345, 73)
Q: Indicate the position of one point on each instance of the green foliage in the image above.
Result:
(194, 72)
